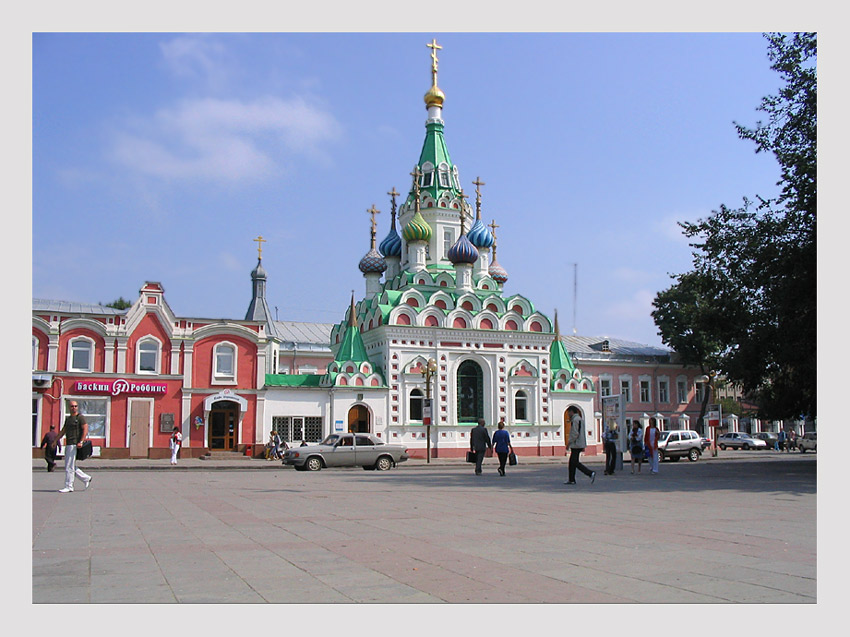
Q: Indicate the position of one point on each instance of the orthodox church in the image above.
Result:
(435, 344)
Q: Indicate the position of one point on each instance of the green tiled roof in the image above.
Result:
(293, 380)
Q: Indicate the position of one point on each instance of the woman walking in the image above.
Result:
(636, 446)
(650, 442)
(502, 445)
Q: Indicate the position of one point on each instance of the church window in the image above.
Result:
(470, 392)
(427, 179)
(521, 406)
(416, 402)
(511, 325)
(440, 303)
(467, 305)
(459, 322)
(403, 319)
(431, 321)
(536, 327)
(448, 241)
(486, 324)
(444, 179)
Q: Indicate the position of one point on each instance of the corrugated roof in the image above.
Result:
(591, 347)
(73, 307)
(305, 334)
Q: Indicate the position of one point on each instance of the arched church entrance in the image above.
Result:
(470, 392)
(224, 423)
(358, 419)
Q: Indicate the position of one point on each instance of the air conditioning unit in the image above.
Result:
(42, 381)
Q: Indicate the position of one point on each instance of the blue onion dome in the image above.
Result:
(463, 251)
(372, 262)
(480, 235)
(497, 272)
(417, 229)
(391, 245)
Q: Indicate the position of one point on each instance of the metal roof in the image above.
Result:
(73, 307)
(305, 335)
(591, 347)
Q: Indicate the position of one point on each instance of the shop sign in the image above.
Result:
(118, 387)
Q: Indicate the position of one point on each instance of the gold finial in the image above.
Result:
(493, 227)
(260, 241)
(393, 194)
(478, 183)
(434, 96)
(373, 211)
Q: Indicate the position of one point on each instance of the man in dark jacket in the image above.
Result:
(50, 444)
(76, 431)
(479, 442)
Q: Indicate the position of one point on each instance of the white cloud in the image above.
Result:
(636, 307)
(196, 56)
(227, 140)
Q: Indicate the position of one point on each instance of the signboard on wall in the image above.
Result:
(120, 386)
(338, 425)
(712, 415)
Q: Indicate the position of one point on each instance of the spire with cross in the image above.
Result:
(373, 211)
(260, 241)
(478, 183)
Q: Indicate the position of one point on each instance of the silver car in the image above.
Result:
(809, 442)
(346, 450)
(679, 444)
(740, 441)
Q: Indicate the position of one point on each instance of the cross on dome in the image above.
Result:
(260, 241)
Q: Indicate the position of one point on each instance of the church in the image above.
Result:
(433, 344)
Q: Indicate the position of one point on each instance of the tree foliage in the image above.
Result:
(755, 266)
(120, 303)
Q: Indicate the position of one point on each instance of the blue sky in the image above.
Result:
(162, 156)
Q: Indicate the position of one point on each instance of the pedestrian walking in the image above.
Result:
(781, 440)
(502, 445)
(50, 444)
(609, 444)
(636, 445)
(650, 443)
(174, 443)
(75, 429)
(479, 442)
(575, 445)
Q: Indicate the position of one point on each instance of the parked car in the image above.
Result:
(346, 450)
(740, 441)
(809, 442)
(679, 444)
(769, 438)
(705, 443)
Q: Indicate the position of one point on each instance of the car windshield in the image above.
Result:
(663, 435)
(330, 440)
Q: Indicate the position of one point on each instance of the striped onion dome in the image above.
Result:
(480, 235)
(497, 272)
(417, 229)
(463, 251)
(391, 245)
(372, 262)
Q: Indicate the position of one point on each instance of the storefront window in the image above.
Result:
(94, 410)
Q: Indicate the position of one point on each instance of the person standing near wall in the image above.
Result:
(609, 438)
(575, 445)
(636, 446)
(76, 431)
(175, 442)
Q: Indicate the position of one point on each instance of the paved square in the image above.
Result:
(739, 528)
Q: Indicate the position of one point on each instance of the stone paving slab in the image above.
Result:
(711, 532)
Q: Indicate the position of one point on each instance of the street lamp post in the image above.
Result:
(428, 373)
(709, 380)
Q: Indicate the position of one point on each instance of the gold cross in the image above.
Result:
(463, 198)
(373, 211)
(392, 193)
(493, 227)
(434, 48)
(478, 183)
(260, 241)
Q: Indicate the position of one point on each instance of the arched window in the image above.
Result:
(81, 355)
(470, 392)
(521, 405)
(147, 356)
(224, 363)
(416, 402)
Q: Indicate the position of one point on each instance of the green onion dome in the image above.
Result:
(417, 229)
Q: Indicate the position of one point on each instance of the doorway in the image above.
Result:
(358, 419)
(141, 412)
(224, 423)
(470, 392)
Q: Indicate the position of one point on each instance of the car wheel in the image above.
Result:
(313, 463)
(722, 447)
(384, 463)
(368, 467)
(693, 455)
(802, 450)
(746, 447)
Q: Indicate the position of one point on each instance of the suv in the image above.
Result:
(678, 444)
(809, 442)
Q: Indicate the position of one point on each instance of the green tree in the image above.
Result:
(120, 303)
(757, 264)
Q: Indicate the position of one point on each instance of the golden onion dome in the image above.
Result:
(434, 97)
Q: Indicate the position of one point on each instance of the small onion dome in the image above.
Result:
(259, 272)
(391, 245)
(480, 236)
(417, 229)
(498, 273)
(463, 251)
(372, 262)
(434, 97)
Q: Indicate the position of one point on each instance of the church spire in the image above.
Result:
(258, 310)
